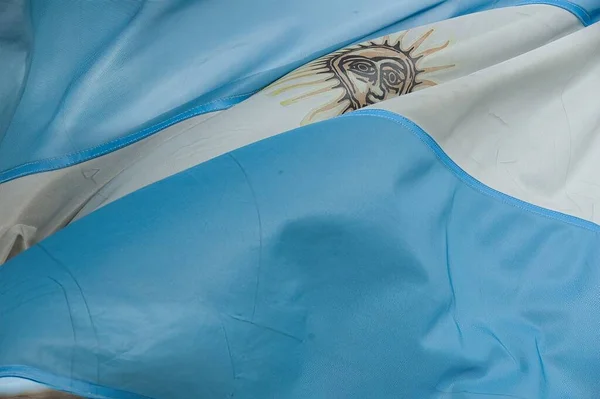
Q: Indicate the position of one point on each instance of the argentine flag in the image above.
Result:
(300, 199)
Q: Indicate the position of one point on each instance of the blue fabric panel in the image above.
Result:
(346, 259)
(15, 52)
(103, 74)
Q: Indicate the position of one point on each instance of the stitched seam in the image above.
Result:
(176, 118)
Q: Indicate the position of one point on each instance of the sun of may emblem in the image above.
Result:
(363, 74)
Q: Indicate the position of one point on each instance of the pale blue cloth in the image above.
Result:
(347, 259)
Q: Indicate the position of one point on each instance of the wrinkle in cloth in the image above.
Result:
(385, 271)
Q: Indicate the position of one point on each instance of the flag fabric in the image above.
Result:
(391, 201)
(460, 46)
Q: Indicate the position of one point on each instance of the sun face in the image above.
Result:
(363, 74)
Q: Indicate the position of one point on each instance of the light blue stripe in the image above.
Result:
(467, 178)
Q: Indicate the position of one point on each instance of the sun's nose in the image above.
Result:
(377, 89)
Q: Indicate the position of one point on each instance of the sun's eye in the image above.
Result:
(362, 67)
(391, 77)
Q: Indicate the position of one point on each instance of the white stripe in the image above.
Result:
(40, 204)
(15, 386)
(529, 127)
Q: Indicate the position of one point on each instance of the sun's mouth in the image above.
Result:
(373, 99)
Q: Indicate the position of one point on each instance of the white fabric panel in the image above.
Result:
(36, 206)
(16, 386)
(529, 127)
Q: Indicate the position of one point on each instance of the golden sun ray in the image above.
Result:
(437, 68)
(327, 107)
(306, 72)
(400, 37)
(309, 67)
(290, 78)
(420, 41)
(303, 96)
(432, 50)
(425, 82)
(297, 85)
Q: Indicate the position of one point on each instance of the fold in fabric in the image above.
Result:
(348, 258)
